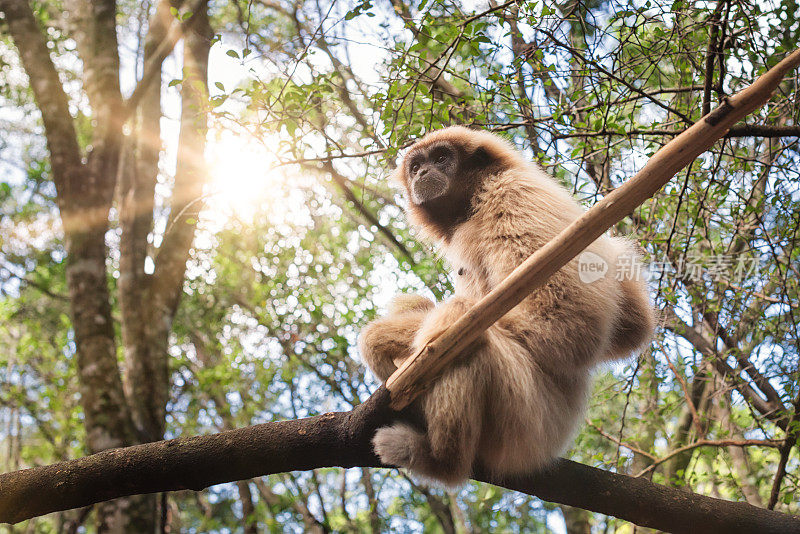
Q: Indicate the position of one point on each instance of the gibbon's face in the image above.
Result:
(431, 172)
(441, 178)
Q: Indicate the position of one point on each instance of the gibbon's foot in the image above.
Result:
(396, 444)
(404, 446)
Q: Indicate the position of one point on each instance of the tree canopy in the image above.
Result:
(197, 219)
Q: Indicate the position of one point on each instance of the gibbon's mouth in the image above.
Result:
(427, 188)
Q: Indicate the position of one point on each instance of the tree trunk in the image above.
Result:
(139, 175)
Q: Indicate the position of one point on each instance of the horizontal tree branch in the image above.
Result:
(763, 130)
(343, 440)
(740, 130)
(331, 157)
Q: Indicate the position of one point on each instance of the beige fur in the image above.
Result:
(513, 400)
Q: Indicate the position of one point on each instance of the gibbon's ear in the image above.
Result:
(479, 159)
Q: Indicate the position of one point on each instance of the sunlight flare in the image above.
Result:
(243, 181)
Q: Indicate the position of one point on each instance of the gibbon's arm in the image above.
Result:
(387, 342)
(440, 318)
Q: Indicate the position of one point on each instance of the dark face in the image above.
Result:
(441, 179)
(431, 173)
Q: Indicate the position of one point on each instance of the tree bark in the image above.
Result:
(249, 519)
(577, 521)
(84, 193)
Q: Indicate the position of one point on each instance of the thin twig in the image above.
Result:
(710, 443)
(692, 408)
(619, 442)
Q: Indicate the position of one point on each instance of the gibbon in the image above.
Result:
(511, 402)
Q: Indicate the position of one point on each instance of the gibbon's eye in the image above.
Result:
(441, 157)
(414, 167)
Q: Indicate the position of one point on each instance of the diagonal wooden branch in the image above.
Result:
(422, 368)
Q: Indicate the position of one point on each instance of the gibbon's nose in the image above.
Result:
(428, 186)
